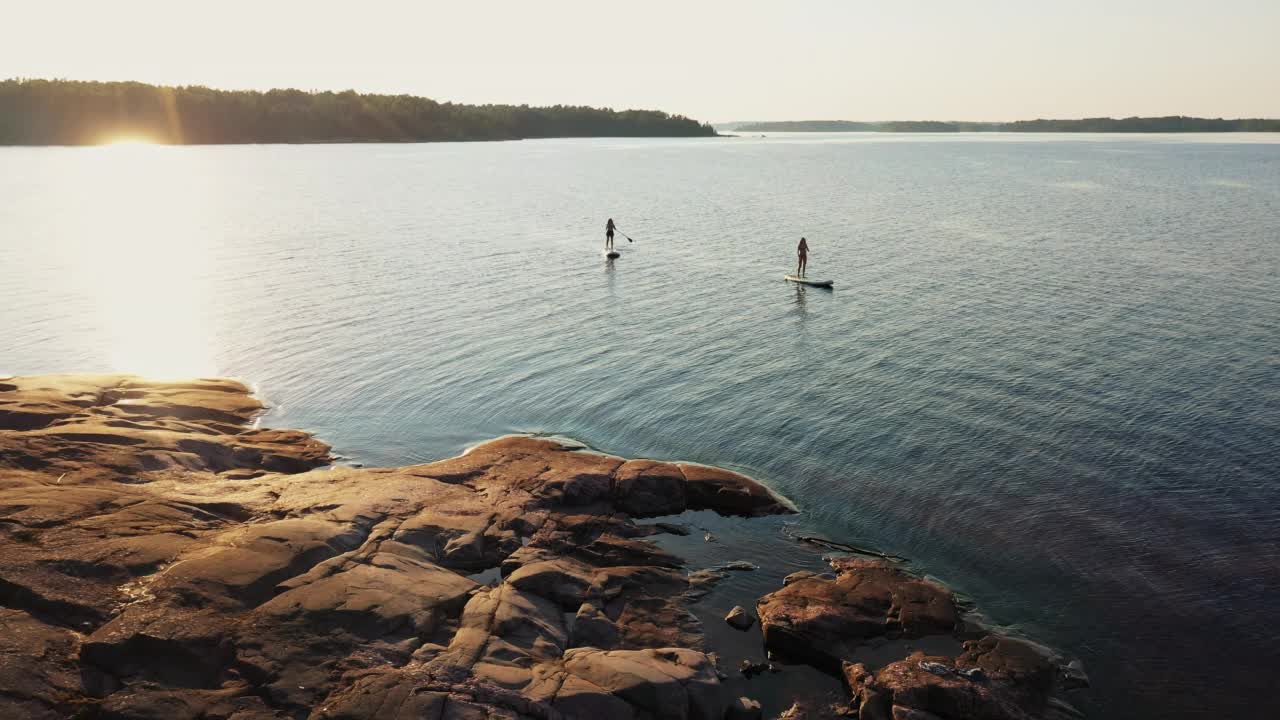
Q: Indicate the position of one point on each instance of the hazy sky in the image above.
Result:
(717, 61)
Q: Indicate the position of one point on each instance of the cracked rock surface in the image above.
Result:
(161, 558)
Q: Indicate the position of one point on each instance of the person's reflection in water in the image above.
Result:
(802, 311)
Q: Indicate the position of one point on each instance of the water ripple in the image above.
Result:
(1048, 373)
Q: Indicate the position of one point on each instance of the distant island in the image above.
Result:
(1171, 124)
(65, 112)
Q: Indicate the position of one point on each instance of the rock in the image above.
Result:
(868, 700)
(823, 621)
(609, 550)
(744, 709)
(164, 644)
(936, 668)
(245, 564)
(798, 575)
(593, 628)
(703, 581)
(1073, 676)
(382, 695)
(855, 675)
(373, 596)
(666, 683)
(906, 713)
(117, 426)
(729, 493)
(155, 703)
(648, 608)
(38, 667)
(645, 488)
(750, 668)
(579, 698)
(160, 558)
(564, 580)
(810, 709)
(1012, 684)
(739, 618)
(456, 535)
(1020, 668)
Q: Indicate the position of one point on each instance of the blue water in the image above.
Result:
(1048, 374)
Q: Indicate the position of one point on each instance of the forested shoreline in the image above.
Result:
(1170, 124)
(66, 112)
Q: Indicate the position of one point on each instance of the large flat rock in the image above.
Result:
(161, 557)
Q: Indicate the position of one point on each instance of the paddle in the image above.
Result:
(624, 235)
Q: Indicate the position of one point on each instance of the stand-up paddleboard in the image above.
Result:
(807, 281)
(612, 255)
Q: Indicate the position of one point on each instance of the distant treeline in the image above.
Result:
(1176, 123)
(63, 112)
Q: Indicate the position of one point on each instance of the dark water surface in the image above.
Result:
(1049, 372)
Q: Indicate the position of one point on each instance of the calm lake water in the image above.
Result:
(1048, 374)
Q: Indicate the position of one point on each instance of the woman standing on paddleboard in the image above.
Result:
(802, 252)
(609, 227)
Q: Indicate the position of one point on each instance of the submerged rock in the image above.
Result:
(811, 709)
(161, 558)
(1073, 676)
(744, 708)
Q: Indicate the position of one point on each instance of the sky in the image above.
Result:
(712, 60)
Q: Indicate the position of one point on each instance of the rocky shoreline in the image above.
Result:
(160, 557)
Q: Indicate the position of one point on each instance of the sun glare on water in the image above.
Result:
(138, 234)
(127, 141)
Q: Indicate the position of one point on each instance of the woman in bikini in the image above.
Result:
(802, 252)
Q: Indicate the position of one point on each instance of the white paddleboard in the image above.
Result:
(807, 281)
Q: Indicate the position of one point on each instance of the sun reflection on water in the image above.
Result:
(127, 141)
(143, 253)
